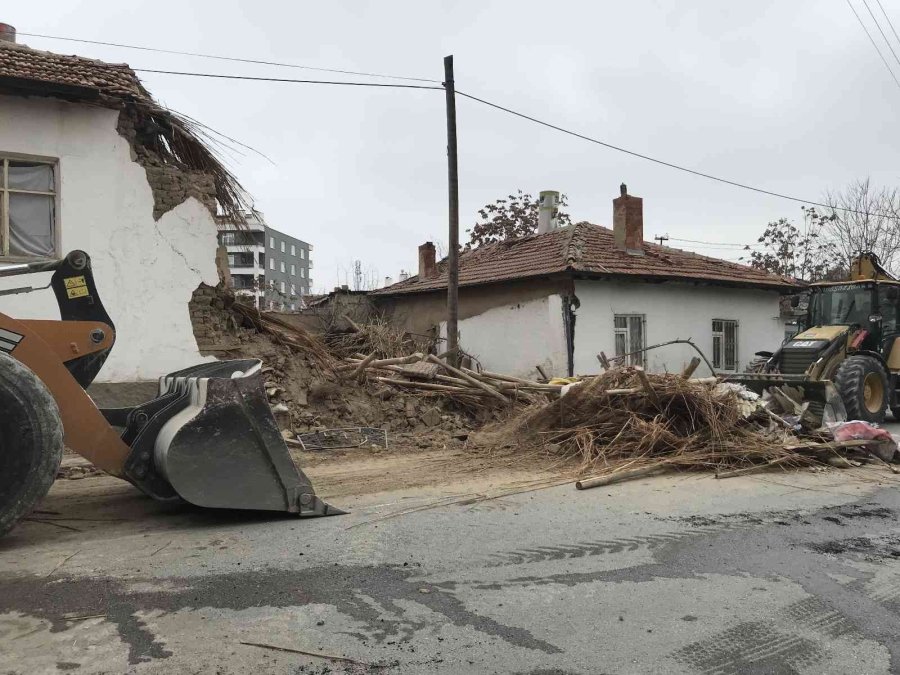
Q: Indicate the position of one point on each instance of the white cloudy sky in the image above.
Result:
(787, 95)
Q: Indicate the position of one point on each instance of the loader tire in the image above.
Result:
(31, 441)
(863, 385)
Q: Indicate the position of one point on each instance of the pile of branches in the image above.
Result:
(283, 333)
(626, 423)
(377, 335)
(429, 375)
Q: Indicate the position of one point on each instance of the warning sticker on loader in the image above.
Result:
(76, 287)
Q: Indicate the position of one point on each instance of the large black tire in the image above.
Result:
(863, 385)
(31, 441)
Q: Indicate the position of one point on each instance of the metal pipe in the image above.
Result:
(30, 268)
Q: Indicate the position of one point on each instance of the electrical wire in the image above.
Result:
(872, 40)
(890, 23)
(228, 58)
(878, 26)
(670, 165)
(712, 243)
(285, 79)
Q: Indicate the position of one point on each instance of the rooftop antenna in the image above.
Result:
(662, 238)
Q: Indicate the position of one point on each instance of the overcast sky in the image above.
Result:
(787, 95)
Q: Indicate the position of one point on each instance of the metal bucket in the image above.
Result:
(215, 442)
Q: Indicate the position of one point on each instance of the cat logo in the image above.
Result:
(9, 341)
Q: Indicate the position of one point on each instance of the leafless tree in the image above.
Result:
(862, 217)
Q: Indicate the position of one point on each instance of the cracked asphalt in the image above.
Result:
(781, 573)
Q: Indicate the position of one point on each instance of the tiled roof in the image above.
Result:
(108, 81)
(585, 249)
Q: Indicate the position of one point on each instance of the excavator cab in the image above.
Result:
(208, 438)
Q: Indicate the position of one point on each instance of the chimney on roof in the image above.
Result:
(548, 209)
(628, 222)
(7, 33)
(427, 261)
(404, 275)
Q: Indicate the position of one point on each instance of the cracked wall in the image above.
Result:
(149, 251)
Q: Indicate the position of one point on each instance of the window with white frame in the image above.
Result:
(302, 273)
(302, 254)
(282, 287)
(630, 336)
(228, 238)
(282, 266)
(725, 344)
(28, 222)
(293, 270)
(272, 264)
(271, 242)
(282, 247)
(293, 250)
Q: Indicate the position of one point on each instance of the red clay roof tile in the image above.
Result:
(585, 249)
(113, 82)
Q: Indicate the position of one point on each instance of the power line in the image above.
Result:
(878, 26)
(669, 164)
(890, 23)
(712, 243)
(285, 79)
(872, 40)
(218, 57)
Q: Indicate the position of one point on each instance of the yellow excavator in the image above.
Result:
(209, 438)
(849, 343)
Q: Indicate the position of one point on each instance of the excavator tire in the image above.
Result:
(31, 441)
(863, 385)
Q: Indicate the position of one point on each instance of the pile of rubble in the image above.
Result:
(308, 385)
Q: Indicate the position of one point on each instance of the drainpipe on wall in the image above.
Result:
(570, 303)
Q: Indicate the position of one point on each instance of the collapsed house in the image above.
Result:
(88, 160)
(557, 299)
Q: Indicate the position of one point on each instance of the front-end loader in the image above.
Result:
(849, 343)
(209, 438)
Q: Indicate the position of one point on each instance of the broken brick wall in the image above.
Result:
(172, 184)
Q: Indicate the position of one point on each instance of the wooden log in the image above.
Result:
(827, 445)
(754, 469)
(360, 369)
(645, 382)
(609, 479)
(542, 373)
(691, 367)
(353, 324)
(428, 386)
(601, 357)
(471, 380)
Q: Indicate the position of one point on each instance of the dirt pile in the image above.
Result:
(302, 382)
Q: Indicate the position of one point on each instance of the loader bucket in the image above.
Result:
(212, 437)
(824, 400)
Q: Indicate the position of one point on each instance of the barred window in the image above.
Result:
(629, 332)
(725, 344)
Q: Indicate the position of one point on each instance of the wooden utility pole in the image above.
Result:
(453, 189)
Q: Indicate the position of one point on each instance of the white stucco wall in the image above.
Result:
(513, 338)
(673, 310)
(145, 270)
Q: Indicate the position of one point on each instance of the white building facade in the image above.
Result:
(565, 298)
(71, 179)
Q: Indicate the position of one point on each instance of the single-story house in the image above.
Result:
(559, 298)
(88, 160)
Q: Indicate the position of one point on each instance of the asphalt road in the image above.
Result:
(784, 573)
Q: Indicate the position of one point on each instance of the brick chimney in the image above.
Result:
(7, 33)
(628, 222)
(427, 262)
